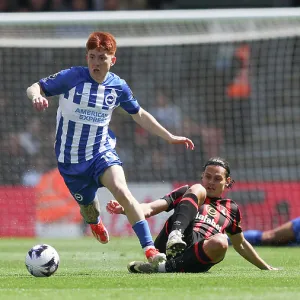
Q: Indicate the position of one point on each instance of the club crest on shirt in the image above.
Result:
(110, 99)
(211, 211)
(78, 197)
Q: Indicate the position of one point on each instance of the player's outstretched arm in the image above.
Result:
(148, 122)
(245, 249)
(149, 209)
(36, 95)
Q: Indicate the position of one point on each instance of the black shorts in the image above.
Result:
(193, 259)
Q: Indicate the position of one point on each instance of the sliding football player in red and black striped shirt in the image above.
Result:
(194, 237)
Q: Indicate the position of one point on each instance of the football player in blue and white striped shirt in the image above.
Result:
(84, 144)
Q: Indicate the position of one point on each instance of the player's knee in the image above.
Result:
(220, 243)
(90, 213)
(216, 247)
(123, 195)
(199, 191)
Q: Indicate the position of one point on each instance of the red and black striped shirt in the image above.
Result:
(216, 215)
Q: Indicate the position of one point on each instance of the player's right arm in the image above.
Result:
(149, 209)
(37, 97)
(55, 84)
(166, 203)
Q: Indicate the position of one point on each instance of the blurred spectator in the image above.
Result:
(295, 2)
(164, 167)
(238, 126)
(37, 167)
(5, 106)
(22, 6)
(30, 138)
(4, 6)
(58, 5)
(141, 152)
(171, 116)
(119, 4)
(81, 5)
(7, 5)
(160, 4)
(167, 113)
(13, 159)
(36, 5)
(111, 5)
(137, 4)
(227, 108)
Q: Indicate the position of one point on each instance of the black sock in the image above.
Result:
(193, 260)
(185, 212)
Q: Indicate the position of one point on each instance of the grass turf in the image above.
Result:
(89, 270)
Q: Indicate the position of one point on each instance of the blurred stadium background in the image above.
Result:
(229, 79)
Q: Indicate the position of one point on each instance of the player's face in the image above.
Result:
(99, 63)
(214, 180)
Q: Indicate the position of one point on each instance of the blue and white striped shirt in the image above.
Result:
(84, 112)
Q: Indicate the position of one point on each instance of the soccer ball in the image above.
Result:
(42, 260)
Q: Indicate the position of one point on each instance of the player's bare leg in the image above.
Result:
(114, 179)
(91, 214)
(281, 235)
(215, 247)
(284, 234)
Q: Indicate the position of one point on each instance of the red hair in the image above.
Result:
(102, 40)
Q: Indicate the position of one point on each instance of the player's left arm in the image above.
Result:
(244, 248)
(148, 122)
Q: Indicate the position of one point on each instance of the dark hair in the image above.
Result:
(219, 161)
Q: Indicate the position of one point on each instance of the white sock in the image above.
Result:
(162, 267)
(148, 247)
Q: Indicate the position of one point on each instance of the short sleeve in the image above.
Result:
(127, 100)
(59, 83)
(175, 196)
(235, 226)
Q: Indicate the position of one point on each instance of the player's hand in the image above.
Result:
(182, 140)
(270, 268)
(114, 208)
(40, 103)
(273, 269)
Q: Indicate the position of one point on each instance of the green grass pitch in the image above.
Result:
(90, 270)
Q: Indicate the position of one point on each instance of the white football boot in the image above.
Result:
(175, 244)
